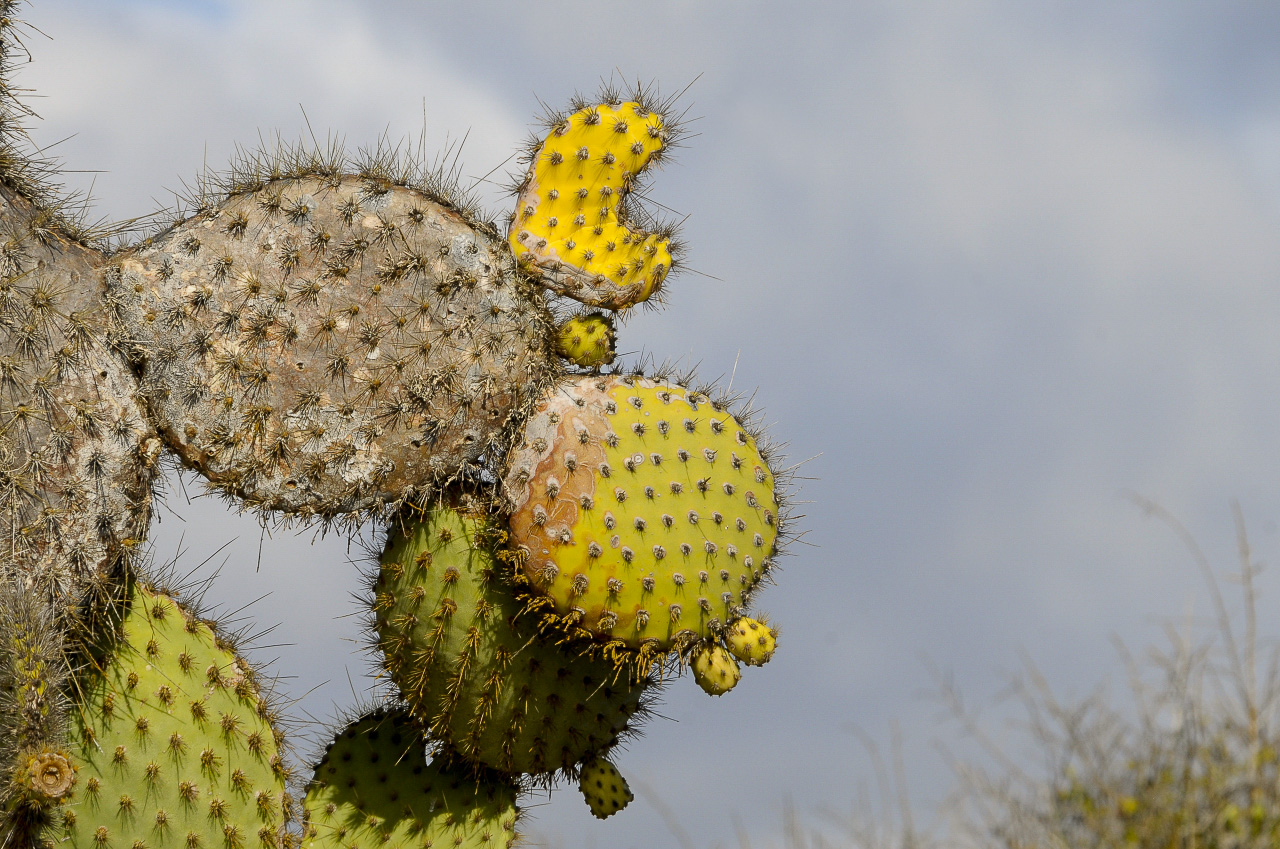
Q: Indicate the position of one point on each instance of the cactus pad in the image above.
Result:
(570, 223)
(587, 341)
(77, 456)
(174, 742)
(715, 670)
(646, 510)
(485, 685)
(604, 788)
(324, 344)
(374, 790)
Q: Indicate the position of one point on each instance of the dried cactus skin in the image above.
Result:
(483, 682)
(328, 344)
(373, 789)
(646, 510)
(77, 456)
(175, 743)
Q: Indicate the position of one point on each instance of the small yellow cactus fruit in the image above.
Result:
(570, 227)
(751, 641)
(715, 670)
(604, 788)
(586, 340)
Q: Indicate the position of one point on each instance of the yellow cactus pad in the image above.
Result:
(586, 341)
(647, 512)
(751, 641)
(570, 225)
(715, 670)
(604, 788)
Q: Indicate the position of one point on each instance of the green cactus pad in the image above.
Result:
(174, 743)
(604, 788)
(484, 684)
(646, 511)
(375, 790)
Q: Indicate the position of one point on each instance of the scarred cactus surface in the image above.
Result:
(326, 344)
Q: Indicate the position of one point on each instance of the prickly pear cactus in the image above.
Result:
(752, 641)
(374, 789)
(645, 510)
(321, 343)
(715, 670)
(478, 679)
(571, 225)
(173, 739)
(336, 339)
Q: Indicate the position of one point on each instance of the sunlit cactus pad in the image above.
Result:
(374, 789)
(646, 510)
(570, 223)
(173, 741)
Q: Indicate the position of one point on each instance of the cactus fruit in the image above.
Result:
(322, 344)
(374, 789)
(715, 669)
(587, 341)
(646, 510)
(571, 226)
(751, 641)
(483, 684)
(604, 788)
(174, 741)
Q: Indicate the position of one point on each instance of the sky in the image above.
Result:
(990, 267)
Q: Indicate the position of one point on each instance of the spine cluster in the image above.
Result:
(347, 341)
